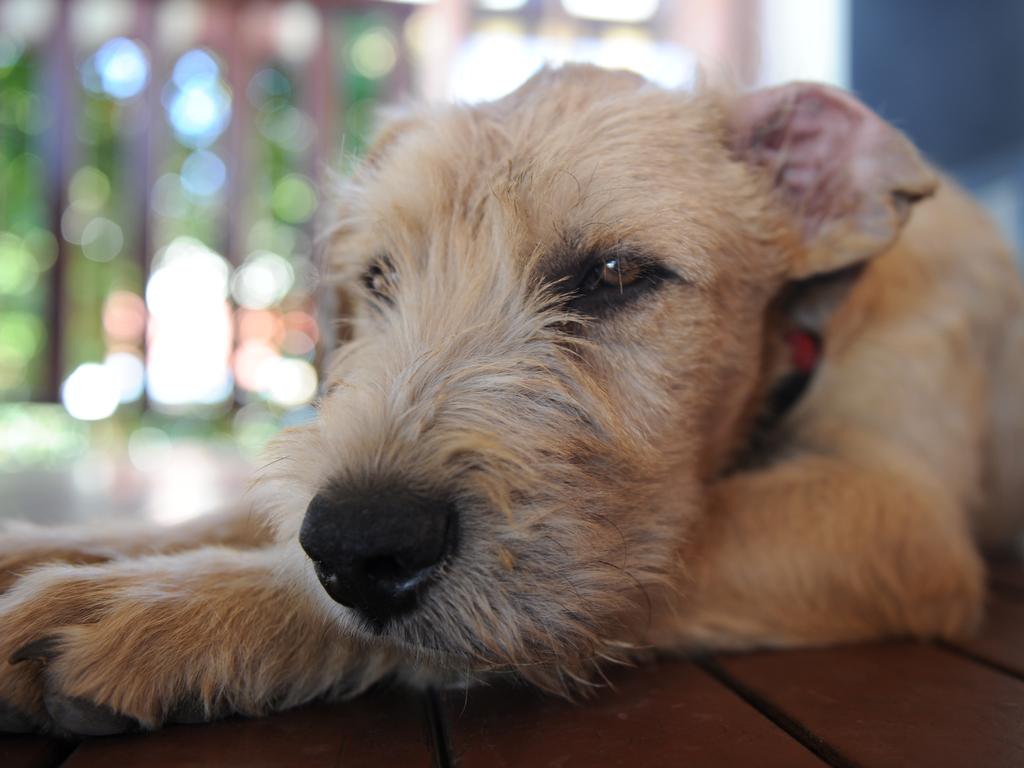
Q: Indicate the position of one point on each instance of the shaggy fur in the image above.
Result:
(618, 485)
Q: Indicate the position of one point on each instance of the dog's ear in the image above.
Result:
(846, 176)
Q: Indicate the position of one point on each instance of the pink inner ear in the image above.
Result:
(845, 174)
(807, 137)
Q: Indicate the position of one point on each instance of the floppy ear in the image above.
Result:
(847, 177)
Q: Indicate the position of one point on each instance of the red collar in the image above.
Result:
(804, 350)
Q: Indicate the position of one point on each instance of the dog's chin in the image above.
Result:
(430, 657)
(415, 635)
(425, 660)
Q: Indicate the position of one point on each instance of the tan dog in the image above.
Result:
(568, 427)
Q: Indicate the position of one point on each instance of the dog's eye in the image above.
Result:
(380, 279)
(376, 281)
(613, 272)
(613, 280)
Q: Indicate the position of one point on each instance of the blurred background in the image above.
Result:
(162, 161)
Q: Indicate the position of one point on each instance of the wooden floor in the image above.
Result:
(897, 704)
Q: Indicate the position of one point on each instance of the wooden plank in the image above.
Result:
(893, 705)
(374, 730)
(32, 751)
(667, 714)
(1001, 639)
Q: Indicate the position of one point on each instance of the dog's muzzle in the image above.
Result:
(378, 551)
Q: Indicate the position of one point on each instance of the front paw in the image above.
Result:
(52, 622)
(44, 704)
(130, 645)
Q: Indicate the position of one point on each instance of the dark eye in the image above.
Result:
(380, 279)
(611, 281)
(613, 272)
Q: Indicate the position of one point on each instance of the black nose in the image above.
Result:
(378, 550)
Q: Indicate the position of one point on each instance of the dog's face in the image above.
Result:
(557, 306)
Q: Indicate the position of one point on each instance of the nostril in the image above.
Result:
(387, 568)
(397, 572)
(378, 551)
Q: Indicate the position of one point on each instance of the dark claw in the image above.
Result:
(15, 721)
(80, 717)
(44, 650)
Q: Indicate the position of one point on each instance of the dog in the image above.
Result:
(626, 371)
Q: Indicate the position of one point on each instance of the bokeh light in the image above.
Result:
(129, 372)
(501, 5)
(193, 67)
(43, 246)
(89, 188)
(294, 199)
(102, 239)
(92, 22)
(500, 56)
(267, 234)
(263, 280)
(292, 382)
(122, 67)
(374, 53)
(253, 361)
(289, 128)
(203, 174)
(73, 223)
(91, 392)
(301, 334)
(200, 113)
(23, 333)
(494, 61)
(612, 10)
(190, 334)
(261, 325)
(28, 21)
(297, 30)
(18, 268)
(267, 84)
(169, 198)
(199, 104)
(186, 271)
(124, 317)
(179, 23)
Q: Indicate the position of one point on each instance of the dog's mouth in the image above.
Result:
(394, 602)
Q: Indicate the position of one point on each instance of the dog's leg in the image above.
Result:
(816, 551)
(193, 636)
(24, 546)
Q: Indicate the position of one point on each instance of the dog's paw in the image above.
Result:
(130, 645)
(44, 706)
(55, 652)
(93, 650)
